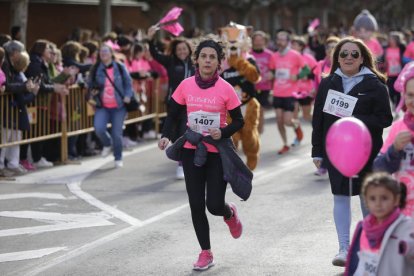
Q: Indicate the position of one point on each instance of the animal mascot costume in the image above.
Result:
(241, 72)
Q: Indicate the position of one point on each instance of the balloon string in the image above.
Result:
(350, 199)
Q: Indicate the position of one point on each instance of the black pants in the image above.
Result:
(196, 179)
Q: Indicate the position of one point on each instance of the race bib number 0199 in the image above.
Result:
(339, 104)
(202, 121)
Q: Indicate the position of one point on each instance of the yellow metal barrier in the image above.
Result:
(55, 116)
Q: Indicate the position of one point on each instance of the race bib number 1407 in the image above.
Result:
(202, 121)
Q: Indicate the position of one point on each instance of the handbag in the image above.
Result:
(133, 103)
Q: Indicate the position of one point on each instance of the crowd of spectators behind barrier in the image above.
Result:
(52, 69)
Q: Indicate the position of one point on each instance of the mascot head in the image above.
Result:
(365, 25)
(236, 39)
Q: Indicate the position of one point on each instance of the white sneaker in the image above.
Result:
(20, 170)
(119, 164)
(105, 151)
(128, 143)
(179, 173)
(149, 135)
(43, 163)
(6, 173)
(340, 258)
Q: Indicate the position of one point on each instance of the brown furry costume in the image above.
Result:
(242, 73)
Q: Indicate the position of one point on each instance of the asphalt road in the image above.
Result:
(91, 219)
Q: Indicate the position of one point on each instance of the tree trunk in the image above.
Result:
(105, 16)
(19, 15)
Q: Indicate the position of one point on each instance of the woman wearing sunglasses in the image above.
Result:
(353, 88)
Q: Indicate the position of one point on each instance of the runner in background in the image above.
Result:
(322, 70)
(286, 65)
(262, 56)
(306, 88)
(393, 64)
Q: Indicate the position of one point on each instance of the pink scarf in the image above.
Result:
(409, 120)
(204, 84)
(374, 231)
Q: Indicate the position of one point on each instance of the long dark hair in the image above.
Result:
(173, 46)
(368, 58)
(39, 47)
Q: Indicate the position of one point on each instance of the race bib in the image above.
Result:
(367, 265)
(282, 74)
(339, 104)
(201, 121)
(407, 162)
(394, 69)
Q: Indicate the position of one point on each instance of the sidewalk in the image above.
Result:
(76, 172)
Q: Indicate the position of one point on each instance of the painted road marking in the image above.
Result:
(27, 255)
(57, 221)
(32, 195)
(76, 189)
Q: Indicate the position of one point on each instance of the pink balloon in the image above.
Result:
(348, 145)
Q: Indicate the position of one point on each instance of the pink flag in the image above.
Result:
(174, 28)
(313, 25)
(172, 15)
(169, 22)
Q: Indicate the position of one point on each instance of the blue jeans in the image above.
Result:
(342, 217)
(116, 117)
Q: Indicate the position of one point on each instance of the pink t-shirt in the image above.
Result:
(108, 99)
(2, 78)
(262, 61)
(322, 69)
(215, 100)
(375, 47)
(306, 86)
(285, 68)
(406, 171)
(409, 51)
(393, 61)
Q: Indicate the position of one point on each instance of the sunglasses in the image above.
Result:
(345, 53)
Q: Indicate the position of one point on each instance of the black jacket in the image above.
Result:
(372, 108)
(234, 170)
(37, 68)
(177, 69)
(14, 111)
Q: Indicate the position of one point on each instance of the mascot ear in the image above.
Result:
(249, 30)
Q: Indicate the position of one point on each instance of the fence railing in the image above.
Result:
(56, 116)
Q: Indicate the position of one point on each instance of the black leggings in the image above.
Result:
(195, 181)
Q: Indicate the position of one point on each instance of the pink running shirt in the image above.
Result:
(108, 99)
(263, 61)
(285, 68)
(406, 172)
(2, 77)
(393, 61)
(409, 51)
(306, 86)
(219, 98)
(375, 47)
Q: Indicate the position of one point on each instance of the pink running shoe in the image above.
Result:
(27, 165)
(234, 223)
(205, 260)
